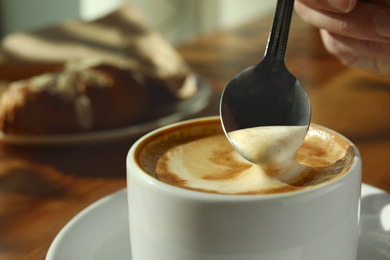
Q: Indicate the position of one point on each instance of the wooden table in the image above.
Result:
(41, 189)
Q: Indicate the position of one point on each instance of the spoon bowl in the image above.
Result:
(267, 94)
(258, 96)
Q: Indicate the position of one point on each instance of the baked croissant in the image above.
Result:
(82, 96)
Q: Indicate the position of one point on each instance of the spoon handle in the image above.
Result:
(277, 41)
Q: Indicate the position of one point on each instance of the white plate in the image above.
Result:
(180, 111)
(100, 232)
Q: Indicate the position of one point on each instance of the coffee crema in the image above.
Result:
(198, 156)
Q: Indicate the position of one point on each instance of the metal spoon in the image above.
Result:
(267, 94)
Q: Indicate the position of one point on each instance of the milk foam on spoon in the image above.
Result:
(271, 147)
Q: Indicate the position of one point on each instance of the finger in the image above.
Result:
(342, 6)
(370, 56)
(365, 22)
(344, 46)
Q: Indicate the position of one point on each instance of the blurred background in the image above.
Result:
(176, 20)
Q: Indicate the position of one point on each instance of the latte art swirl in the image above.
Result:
(210, 164)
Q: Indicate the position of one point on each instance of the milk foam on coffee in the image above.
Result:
(271, 147)
(210, 163)
(217, 167)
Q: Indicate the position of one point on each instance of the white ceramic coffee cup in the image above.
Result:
(171, 223)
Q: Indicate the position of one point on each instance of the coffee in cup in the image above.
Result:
(200, 157)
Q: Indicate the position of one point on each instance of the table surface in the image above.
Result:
(42, 188)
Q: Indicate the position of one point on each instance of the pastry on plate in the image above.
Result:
(135, 76)
(82, 96)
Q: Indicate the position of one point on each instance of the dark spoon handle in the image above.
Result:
(277, 41)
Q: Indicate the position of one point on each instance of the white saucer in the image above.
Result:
(100, 231)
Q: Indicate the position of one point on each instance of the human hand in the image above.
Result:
(356, 32)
